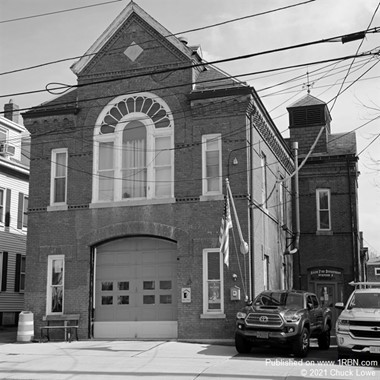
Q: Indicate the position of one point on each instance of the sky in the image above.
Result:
(350, 87)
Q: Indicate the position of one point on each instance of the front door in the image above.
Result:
(327, 294)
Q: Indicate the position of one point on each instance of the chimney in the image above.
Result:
(11, 111)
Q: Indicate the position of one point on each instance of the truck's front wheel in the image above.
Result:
(242, 345)
(301, 345)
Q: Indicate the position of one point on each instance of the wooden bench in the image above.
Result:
(67, 322)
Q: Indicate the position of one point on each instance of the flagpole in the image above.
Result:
(243, 244)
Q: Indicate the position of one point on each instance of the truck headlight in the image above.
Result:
(292, 316)
(343, 325)
(241, 315)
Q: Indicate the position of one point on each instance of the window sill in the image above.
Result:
(213, 316)
(57, 208)
(130, 202)
(324, 233)
(214, 197)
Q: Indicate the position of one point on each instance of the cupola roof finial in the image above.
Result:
(308, 85)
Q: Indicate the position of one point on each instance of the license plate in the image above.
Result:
(374, 350)
(262, 334)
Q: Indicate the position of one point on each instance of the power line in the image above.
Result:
(68, 87)
(56, 12)
(169, 35)
(367, 146)
(357, 51)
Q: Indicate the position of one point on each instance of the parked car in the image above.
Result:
(283, 317)
(358, 326)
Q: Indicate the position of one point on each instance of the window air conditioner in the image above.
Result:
(7, 149)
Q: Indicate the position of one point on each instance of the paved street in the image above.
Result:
(96, 359)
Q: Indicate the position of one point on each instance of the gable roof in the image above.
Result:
(131, 8)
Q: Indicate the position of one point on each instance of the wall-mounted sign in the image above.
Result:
(186, 295)
(329, 274)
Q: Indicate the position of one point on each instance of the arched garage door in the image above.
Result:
(136, 289)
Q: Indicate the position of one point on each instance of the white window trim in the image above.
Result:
(207, 314)
(24, 228)
(218, 138)
(318, 191)
(377, 271)
(22, 290)
(1, 269)
(48, 284)
(2, 220)
(116, 138)
(264, 180)
(266, 269)
(54, 153)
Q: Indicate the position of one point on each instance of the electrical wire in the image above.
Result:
(166, 36)
(367, 146)
(58, 12)
(203, 64)
(357, 51)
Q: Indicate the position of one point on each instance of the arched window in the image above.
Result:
(133, 150)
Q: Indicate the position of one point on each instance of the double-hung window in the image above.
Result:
(212, 164)
(264, 179)
(323, 210)
(266, 272)
(2, 205)
(55, 284)
(20, 273)
(22, 218)
(213, 299)
(58, 186)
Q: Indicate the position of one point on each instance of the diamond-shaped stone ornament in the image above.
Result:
(133, 51)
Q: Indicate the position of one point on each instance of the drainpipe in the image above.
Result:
(251, 258)
(355, 258)
(296, 245)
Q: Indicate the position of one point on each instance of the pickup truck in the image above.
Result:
(358, 326)
(283, 317)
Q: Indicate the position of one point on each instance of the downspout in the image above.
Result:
(251, 260)
(296, 245)
(353, 226)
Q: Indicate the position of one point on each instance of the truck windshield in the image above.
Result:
(365, 301)
(279, 299)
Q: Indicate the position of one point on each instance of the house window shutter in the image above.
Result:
(20, 210)
(8, 208)
(4, 274)
(18, 271)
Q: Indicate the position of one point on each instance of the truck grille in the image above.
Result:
(365, 333)
(261, 320)
(365, 323)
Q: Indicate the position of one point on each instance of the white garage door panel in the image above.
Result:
(136, 289)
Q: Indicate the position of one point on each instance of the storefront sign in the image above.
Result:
(325, 274)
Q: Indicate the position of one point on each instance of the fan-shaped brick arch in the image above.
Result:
(146, 103)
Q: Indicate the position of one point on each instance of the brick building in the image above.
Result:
(329, 245)
(127, 191)
(373, 269)
(14, 183)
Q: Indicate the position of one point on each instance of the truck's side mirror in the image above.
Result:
(309, 305)
(339, 305)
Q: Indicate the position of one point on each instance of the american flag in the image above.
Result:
(224, 234)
